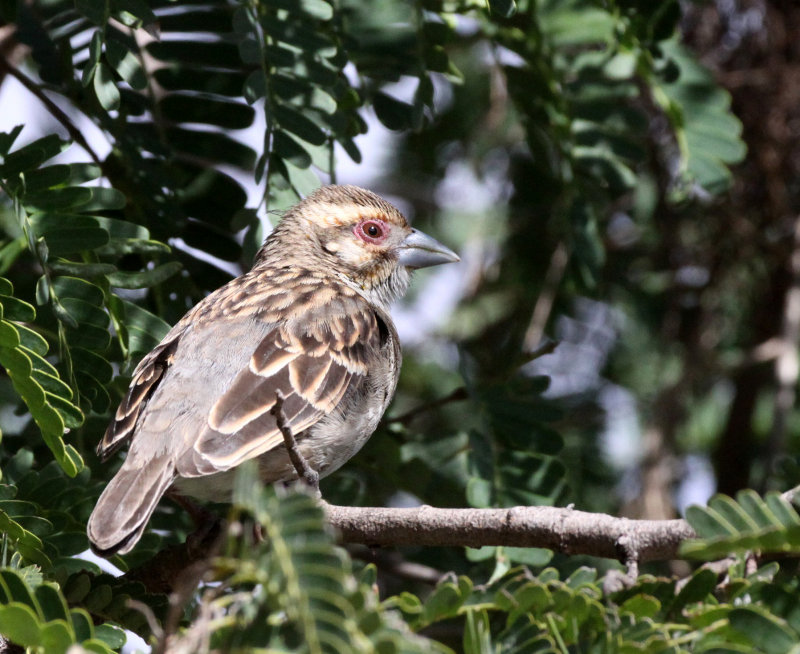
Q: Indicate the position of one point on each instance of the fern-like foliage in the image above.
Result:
(305, 595)
(59, 225)
(748, 523)
(36, 615)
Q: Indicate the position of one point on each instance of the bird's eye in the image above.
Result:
(371, 231)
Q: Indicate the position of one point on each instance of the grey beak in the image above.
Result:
(418, 250)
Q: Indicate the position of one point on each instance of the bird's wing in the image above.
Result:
(312, 361)
(145, 380)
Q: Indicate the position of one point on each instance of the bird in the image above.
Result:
(310, 321)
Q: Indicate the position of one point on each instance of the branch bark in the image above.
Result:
(564, 530)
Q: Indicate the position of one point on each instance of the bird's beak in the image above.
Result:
(418, 250)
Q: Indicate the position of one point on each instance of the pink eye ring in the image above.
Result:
(371, 231)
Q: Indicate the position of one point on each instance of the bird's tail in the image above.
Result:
(126, 504)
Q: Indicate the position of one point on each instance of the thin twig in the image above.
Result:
(149, 616)
(56, 111)
(547, 296)
(548, 347)
(456, 396)
(183, 589)
(304, 470)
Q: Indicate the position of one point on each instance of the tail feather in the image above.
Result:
(126, 504)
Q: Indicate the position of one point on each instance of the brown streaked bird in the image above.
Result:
(311, 320)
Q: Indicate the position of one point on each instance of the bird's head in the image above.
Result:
(361, 238)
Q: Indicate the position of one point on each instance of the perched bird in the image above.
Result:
(311, 321)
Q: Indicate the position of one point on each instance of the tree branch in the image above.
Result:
(564, 530)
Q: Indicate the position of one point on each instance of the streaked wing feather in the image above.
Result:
(146, 377)
(312, 367)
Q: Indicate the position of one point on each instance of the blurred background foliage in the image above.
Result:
(621, 180)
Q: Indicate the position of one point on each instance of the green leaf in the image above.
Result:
(698, 588)
(126, 63)
(81, 312)
(145, 278)
(111, 635)
(7, 139)
(133, 13)
(51, 602)
(122, 228)
(731, 512)
(15, 309)
(290, 150)
(304, 181)
(756, 509)
(215, 54)
(32, 155)
(294, 33)
(104, 199)
(71, 415)
(762, 629)
(144, 321)
(255, 86)
(105, 88)
(73, 269)
(394, 114)
(229, 115)
(51, 383)
(212, 147)
(118, 247)
(90, 337)
(782, 509)
(58, 199)
(708, 523)
(24, 541)
(20, 625)
(295, 122)
(47, 177)
(32, 340)
(95, 52)
(56, 637)
(74, 287)
(478, 633)
(9, 336)
(443, 603)
(87, 362)
(69, 241)
(531, 556)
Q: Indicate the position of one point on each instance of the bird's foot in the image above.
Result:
(301, 465)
